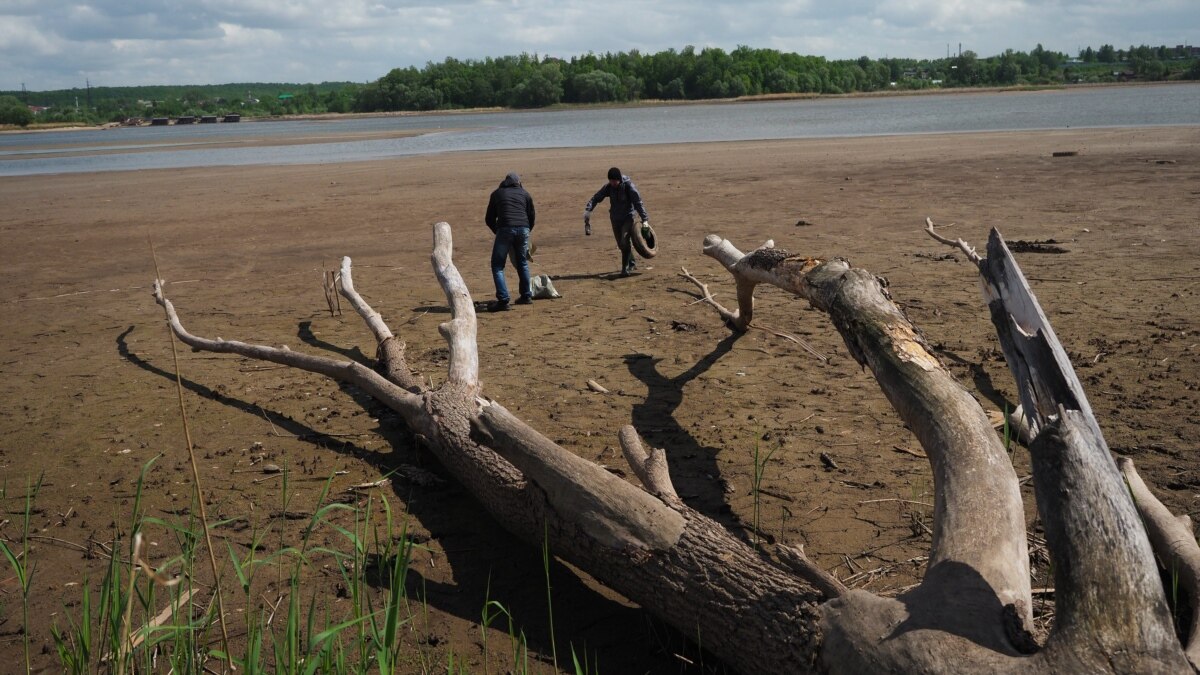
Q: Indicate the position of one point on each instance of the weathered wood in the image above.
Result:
(1111, 612)
(1108, 591)
(389, 351)
(1174, 540)
(1044, 375)
(675, 562)
(970, 612)
(606, 508)
(375, 385)
(460, 331)
(978, 517)
(650, 467)
(796, 560)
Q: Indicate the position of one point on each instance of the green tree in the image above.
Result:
(596, 86)
(674, 90)
(13, 111)
(781, 80)
(964, 69)
(541, 88)
(1008, 71)
(1150, 69)
(1106, 54)
(1047, 61)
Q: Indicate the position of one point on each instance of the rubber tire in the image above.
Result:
(647, 247)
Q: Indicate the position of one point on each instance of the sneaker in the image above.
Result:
(524, 300)
(497, 306)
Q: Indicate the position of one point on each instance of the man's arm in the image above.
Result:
(529, 211)
(489, 218)
(597, 198)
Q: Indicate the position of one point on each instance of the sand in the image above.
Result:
(88, 392)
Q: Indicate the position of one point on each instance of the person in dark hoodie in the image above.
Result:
(623, 201)
(510, 216)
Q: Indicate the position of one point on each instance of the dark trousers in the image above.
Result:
(623, 233)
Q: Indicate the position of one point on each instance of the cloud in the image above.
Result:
(55, 44)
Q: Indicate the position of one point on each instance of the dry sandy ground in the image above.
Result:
(88, 393)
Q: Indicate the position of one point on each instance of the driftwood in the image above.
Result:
(781, 614)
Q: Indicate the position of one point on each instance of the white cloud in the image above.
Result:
(55, 44)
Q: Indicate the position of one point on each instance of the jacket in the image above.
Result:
(510, 205)
(623, 200)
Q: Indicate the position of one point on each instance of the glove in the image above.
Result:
(646, 222)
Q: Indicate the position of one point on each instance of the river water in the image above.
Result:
(326, 141)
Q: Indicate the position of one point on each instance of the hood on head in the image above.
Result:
(511, 180)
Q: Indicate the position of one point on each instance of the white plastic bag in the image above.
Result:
(543, 288)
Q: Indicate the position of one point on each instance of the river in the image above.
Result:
(368, 138)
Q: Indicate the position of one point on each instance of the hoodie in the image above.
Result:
(510, 205)
(623, 200)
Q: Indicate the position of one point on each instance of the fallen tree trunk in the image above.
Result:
(970, 613)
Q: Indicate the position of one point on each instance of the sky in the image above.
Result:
(62, 44)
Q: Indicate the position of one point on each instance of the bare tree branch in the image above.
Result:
(959, 244)
(459, 331)
(732, 320)
(389, 351)
(364, 378)
(729, 317)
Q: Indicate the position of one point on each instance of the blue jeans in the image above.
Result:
(514, 241)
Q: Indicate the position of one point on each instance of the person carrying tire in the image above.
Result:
(510, 216)
(623, 201)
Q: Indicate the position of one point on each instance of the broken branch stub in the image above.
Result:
(1044, 375)
(613, 512)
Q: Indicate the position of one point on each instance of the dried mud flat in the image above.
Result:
(88, 393)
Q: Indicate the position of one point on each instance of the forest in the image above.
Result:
(539, 81)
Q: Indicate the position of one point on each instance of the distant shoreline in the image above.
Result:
(762, 98)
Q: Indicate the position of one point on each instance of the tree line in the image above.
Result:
(533, 81)
(529, 81)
